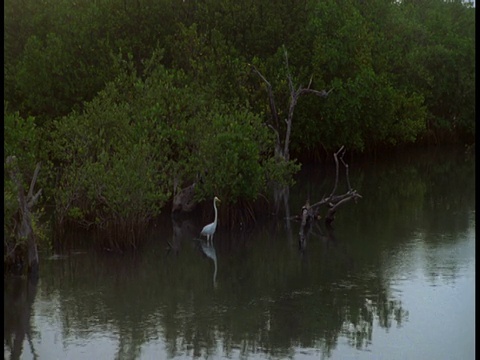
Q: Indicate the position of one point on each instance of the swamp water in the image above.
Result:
(394, 280)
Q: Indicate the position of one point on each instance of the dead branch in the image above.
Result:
(271, 98)
(335, 156)
(294, 95)
(346, 171)
(333, 209)
(311, 212)
(34, 199)
(34, 180)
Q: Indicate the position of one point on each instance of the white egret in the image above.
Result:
(209, 230)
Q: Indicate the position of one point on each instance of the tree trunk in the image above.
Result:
(25, 231)
(184, 200)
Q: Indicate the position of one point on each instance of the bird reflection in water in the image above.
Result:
(207, 245)
(184, 230)
(208, 249)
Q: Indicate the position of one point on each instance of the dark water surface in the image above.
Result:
(394, 280)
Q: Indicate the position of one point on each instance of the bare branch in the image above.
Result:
(310, 212)
(346, 172)
(321, 202)
(289, 74)
(277, 144)
(310, 82)
(332, 199)
(34, 199)
(34, 180)
(321, 93)
(335, 156)
(331, 212)
(271, 98)
(291, 109)
(294, 95)
(261, 76)
(275, 131)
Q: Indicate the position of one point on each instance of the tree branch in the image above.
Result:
(34, 199)
(346, 171)
(271, 98)
(34, 180)
(333, 209)
(321, 93)
(335, 156)
(294, 95)
(310, 212)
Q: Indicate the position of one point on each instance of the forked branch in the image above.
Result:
(283, 149)
(311, 212)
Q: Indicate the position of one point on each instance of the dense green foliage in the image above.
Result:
(124, 102)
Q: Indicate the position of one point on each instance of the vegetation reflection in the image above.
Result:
(266, 296)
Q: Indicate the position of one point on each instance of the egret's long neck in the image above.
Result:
(216, 214)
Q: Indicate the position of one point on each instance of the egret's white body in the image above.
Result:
(209, 230)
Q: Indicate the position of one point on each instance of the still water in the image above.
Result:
(395, 279)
